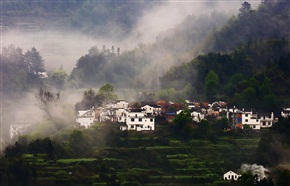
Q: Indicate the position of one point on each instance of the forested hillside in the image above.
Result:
(141, 67)
(105, 18)
(269, 21)
(253, 74)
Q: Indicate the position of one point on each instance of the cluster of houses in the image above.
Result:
(150, 113)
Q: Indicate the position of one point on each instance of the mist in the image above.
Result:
(171, 13)
(63, 48)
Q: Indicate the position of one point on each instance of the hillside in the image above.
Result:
(141, 67)
(253, 74)
(269, 21)
(105, 18)
(103, 155)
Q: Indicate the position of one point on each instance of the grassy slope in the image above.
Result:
(144, 160)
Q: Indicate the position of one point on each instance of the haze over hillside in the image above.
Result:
(62, 37)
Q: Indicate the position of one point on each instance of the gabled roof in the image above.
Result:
(152, 105)
(231, 172)
(83, 112)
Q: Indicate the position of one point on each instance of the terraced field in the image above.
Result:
(150, 161)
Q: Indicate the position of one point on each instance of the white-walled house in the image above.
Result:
(121, 114)
(86, 118)
(230, 175)
(250, 118)
(266, 119)
(139, 122)
(17, 130)
(117, 104)
(285, 112)
(197, 116)
(151, 109)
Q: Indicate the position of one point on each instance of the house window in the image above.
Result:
(151, 120)
(257, 120)
(254, 126)
(140, 119)
(246, 120)
(132, 119)
(132, 126)
(264, 123)
(246, 115)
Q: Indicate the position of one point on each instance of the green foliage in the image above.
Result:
(283, 177)
(108, 91)
(183, 124)
(91, 99)
(79, 143)
(236, 79)
(274, 144)
(34, 61)
(204, 129)
(58, 78)
(221, 124)
(211, 85)
(252, 25)
(162, 158)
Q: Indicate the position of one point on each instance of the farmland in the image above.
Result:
(151, 158)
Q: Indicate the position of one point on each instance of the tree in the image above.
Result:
(14, 70)
(204, 129)
(113, 49)
(46, 100)
(118, 51)
(283, 177)
(246, 8)
(34, 61)
(183, 124)
(211, 85)
(108, 91)
(58, 78)
(78, 143)
(247, 179)
(221, 124)
(266, 87)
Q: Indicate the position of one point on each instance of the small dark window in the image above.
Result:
(140, 119)
(246, 120)
(151, 120)
(132, 119)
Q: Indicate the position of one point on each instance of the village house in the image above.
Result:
(266, 119)
(234, 116)
(197, 116)
(251, 119)
(230, 175)
(151, 109)
(139, 121)
(122, 114)
(114, 111)
(285, 112)
(85, 118)
(18, 130)
(117, 104)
